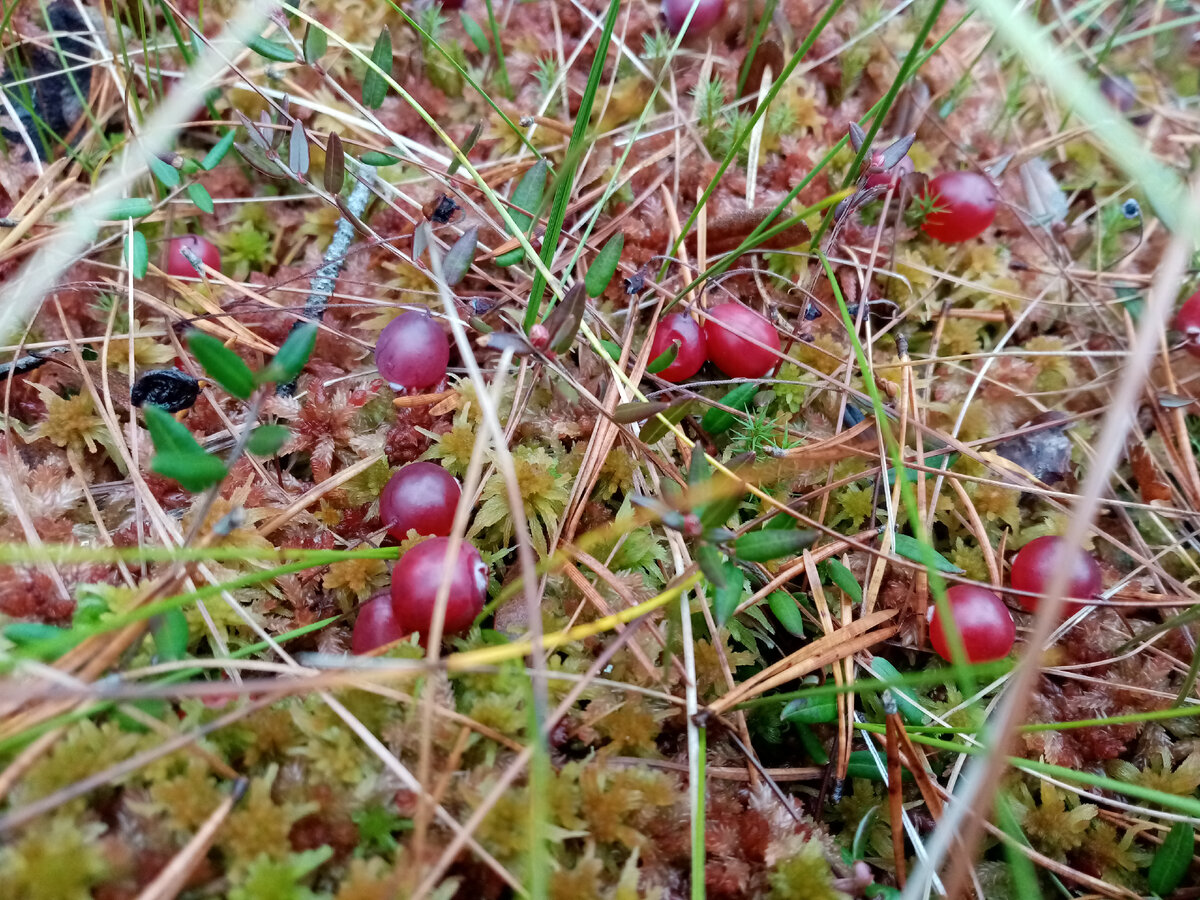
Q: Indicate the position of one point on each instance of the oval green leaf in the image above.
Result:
(265, 440)
(1173, 859)
(168, 435)
(129, 208)
(221, 364)
(194, 472)
(292, 356)
(906, 700)
(199, 195)
(810, 710)
(526, 200)
(377, 159)
(170, 631)
(374, 86)
(214, 156)
(787, 612)
(475, 33)
(460, 257)
(604, 266)
(139, 259)
(272, 50)
(315, 43)
(910, 548)
(766, 545)
(717, 420)
(663, 359)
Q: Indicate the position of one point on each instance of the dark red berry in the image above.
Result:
(421, 496)
(1187, 320)
(693, 349)
(177, 263)
(734, 334)
(375, 626)
(708, 14)
(1035, 564)
(892, 176)
(984, 624)
(965, 205)
(413, 351)
(420, 572)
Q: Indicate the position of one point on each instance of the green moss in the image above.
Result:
(58, 858)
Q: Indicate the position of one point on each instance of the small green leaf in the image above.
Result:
(221, 364)
(460, 257)
(604, 266)
(911, 548)
(712, 564)
(189, 167)
(810, 710)
(214, 156)
(787, 612)
(25, 633)
(170, 631)
(862, 765)
(844, 579)
(526, 201)
(769, 544)
(729, 595)
(377, 159)
(655, 430)
(698, 470)
(194, 472)
(1173, 858)
(466, 147)
(613, 350)
(475, 33)
(906, 700)
(129, 208)
(265, 440)
(374, 86)
(292, 356)
(167, 174)
(168, 435)
(139, 259)
(315, 42)
(663, 359)
(272, 50)
(199, 195)
(717, 420)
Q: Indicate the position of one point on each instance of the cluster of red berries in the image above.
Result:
(736, 339)
(983, 621)
(422, 497)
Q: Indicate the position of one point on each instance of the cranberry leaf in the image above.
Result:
(374, 87)
(786, 610)
(604, 266)
(221, 364)
(265, 440)
(292, 356)
(766, 545)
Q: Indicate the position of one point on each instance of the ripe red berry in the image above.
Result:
(1035, 564)
(984, 624)
(734, 334)
(693, 348)
(708, 14)
(413, 351)
(965, 205)
(375, 626)
(415, 582)
(422, 496)
(1187, 320)
(177, 263)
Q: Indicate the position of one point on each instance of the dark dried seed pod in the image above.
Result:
(171, 389)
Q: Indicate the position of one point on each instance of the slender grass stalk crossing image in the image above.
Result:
(599, 450)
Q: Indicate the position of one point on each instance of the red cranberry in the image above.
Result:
(375, 626)
(1035, 564)
(178, 265)
(681, 328)
(1187, 320)
(965, 205)
(413, 351)
(415, 582)
(708, 14)
(422, 496)
(734, 333)
(984, 624)
(891, 177)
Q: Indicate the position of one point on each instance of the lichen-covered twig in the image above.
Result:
(325, 277)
